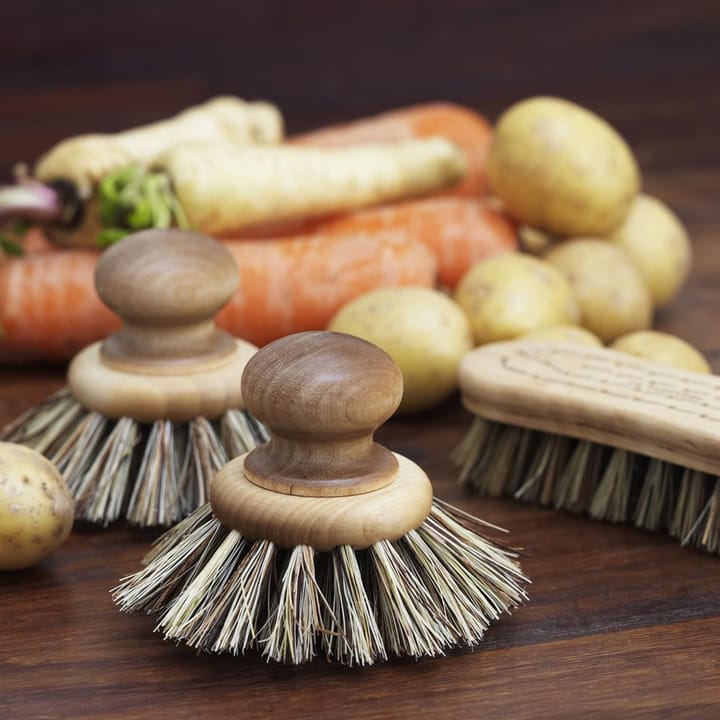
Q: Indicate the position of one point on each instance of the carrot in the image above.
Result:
(465, 127)
(49, 309)
(294, 284)
(459, 231)
(48, 306)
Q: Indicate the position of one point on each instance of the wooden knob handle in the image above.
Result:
(167, 286)
(321, 395)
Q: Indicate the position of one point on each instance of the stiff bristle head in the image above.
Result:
(149, 474)
(434, 589)
(583, 477)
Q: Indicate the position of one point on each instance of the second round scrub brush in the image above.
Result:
(151, 412)
(321, 541)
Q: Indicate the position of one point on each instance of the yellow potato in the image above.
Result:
(36, 509)
(662, 348)
(610, 291)
(560, 168)
(563, 334)
(423, 330)
(509, 295)
(656, 241)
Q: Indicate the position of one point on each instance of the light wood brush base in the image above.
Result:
(205, 389)
(322, 522)
(600, 395)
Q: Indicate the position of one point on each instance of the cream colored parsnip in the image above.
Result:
(85, 159)
(223, 188)
(424, 332)
(36, 509)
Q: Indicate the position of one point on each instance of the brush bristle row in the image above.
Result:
(583, 477)
(149, 474)
(436, 588)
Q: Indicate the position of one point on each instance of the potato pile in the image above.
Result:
(573, 184)
(599, 258)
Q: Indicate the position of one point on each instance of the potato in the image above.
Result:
(423, 330)
(508, 295)
(656, 241)
(36, 509)
(560, 168)
(563, 334)
(610, 291)
(662, 348)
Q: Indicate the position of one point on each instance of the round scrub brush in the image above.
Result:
(321, 541)
(154, 410)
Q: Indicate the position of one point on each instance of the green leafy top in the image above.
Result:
(134, 199)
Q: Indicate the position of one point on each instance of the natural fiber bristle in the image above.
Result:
(436, 588)
(584, 477)
(149, 474)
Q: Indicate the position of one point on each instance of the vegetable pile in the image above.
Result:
(534, 228)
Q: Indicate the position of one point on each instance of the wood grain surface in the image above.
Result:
(621, 623)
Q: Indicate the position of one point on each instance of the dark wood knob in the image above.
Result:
(166, 277)
(322, 396)
(167, 286)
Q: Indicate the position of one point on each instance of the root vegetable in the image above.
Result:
(662, 348)
(36, 508)
(459, 231)
(62, 193)
(509, 295)
(563, 334)
(658, 244)
(423, 330)
(297, 284)
(610, 291)
(85, 160)
(462, 125)
(223, 189)
(50, 309)
(560, 168)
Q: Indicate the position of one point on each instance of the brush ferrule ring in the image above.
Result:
(201, 391)
(322, 522)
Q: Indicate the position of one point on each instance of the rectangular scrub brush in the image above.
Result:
(595, 431)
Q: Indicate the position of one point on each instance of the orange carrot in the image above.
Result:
(465, 127)
(49, 309)
(48, 305)
(293, 284)
(458, 231)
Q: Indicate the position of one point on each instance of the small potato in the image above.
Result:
(509, 295)
(561, 168)
(662, 348)
(656, 241)
(570, 334)
(423, 330)
(36, 508)
(610, 291)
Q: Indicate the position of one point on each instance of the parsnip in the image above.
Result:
(84, 160)
(226, 188)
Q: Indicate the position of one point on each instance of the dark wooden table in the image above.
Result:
(620, 623)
